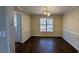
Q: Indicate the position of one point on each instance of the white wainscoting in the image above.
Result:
(25, 35)
(72, 38)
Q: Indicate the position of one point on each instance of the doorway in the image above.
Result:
(17, 30)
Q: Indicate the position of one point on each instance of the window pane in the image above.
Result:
(49, 25)
(49, 28)
(42, 20)
(49, 21)
(43, 24)
(43, 28)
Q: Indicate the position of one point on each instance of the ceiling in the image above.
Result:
(52, 9)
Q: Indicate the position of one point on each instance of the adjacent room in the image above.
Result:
(39, 29)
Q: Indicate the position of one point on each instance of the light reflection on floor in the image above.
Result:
(46, 45)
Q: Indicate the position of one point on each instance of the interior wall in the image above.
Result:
(57, 26)
(26, 27)
(70, 27)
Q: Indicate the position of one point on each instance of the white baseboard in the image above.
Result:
(26, 39)
(48, 35)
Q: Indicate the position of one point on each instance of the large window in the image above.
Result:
(46, 25)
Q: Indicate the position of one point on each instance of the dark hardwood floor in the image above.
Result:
(18, 47)
(46, 45)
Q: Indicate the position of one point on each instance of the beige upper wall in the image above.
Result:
(71, 21)
(35, 26)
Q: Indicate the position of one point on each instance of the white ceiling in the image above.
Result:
(51, 9)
